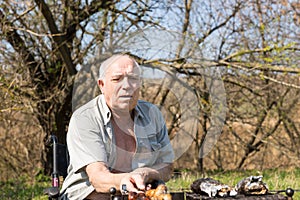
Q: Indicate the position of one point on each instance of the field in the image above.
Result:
(277, 179)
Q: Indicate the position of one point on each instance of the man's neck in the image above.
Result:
(123, 115)
(124, 122)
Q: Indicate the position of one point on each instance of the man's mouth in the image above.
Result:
(125, 96)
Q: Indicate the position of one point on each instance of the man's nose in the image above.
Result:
(126, 83)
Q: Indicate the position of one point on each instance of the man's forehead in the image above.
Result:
(121, 67)
(117, 62)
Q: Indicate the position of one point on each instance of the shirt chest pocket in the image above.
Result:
(149, 144)
(147, 152)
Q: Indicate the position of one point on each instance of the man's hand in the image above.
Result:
(136, 180)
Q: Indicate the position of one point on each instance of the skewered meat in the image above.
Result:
(137, 196)
(132, 195)
(164, 197)
(160, 193)
(212, 188)
(252, 185)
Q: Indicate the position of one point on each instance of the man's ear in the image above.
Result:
(100, 85)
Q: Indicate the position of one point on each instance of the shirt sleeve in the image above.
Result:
(85, 142)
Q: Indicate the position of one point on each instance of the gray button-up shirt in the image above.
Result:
(90, 139)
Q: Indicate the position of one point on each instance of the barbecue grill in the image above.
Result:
(193, 196)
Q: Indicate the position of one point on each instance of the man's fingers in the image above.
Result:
(134, 182)
(138, 181)
(128, 186)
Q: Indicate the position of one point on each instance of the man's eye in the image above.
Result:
(134, 77)
(116, 79)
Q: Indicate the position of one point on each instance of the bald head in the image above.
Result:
(108, 63)
(119, 81)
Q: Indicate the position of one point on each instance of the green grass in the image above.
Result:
(277, 179)
(24, 188)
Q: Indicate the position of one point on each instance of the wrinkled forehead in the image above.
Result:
(119, 64)
(123, 66)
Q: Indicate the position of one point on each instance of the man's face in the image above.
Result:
(121, 85)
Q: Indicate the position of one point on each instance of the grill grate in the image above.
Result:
(193, 196)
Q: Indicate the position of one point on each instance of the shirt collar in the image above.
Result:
(138, 111)
(105, 109)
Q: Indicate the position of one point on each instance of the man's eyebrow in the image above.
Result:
(133, 74)
(117, 74)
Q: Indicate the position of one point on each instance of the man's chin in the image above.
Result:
(122, 108)
(124, 105)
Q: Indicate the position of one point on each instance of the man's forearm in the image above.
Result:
(102, 179)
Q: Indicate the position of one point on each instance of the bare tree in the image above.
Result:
(44, 41)
(46, 46)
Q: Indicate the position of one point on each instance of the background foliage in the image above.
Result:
(253, 45)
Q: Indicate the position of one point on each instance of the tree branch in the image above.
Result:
(19, 46)
(58, 39)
